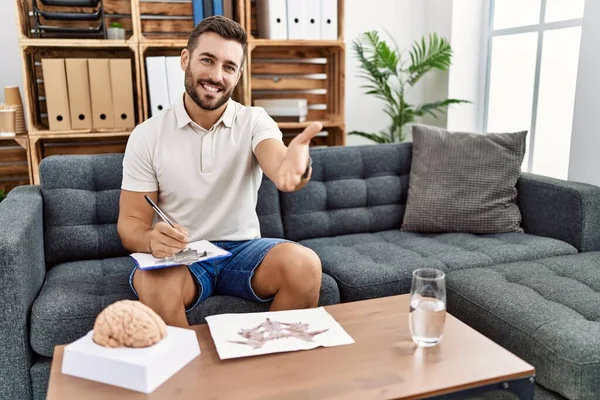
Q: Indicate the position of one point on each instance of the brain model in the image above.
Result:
(128, 323)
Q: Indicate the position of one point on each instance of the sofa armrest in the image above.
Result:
(564, 210)
(22, 271)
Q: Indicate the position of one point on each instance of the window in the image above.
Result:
(531, 77)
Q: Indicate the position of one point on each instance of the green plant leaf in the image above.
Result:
(378, 138)
(436, 54)
(438, 106)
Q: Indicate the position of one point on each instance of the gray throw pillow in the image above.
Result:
(464, 182)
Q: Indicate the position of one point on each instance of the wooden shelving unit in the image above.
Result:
(311, 69)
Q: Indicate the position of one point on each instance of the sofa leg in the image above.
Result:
(523, 388)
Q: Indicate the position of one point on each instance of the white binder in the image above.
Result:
(157, 84)
(271, 16)
(329, 20)
(312, 19)
(296, 19)
(175, 78)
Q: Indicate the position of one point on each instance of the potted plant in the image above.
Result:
(116, 31)
(2, 195)
(389, 77)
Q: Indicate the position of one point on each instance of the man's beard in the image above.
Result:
(190, 88)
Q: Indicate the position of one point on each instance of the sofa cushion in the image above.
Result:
(75, 292)
(545, 311)
(81, 206)
(381, 264)
(464, 182)
(352, 190)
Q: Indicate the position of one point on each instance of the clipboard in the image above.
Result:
(205, 249)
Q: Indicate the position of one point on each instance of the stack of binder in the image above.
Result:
(88, 93)
(166, 81)
(297, 19)
(56, 28)
(207, 8)
(284, 110)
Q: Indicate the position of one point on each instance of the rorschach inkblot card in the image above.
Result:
(251, 334)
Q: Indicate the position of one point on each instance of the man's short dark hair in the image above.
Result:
(222, 26)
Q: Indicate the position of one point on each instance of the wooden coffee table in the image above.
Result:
(382, 364)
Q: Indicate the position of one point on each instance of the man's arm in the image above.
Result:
(286, 166)
(135, 227)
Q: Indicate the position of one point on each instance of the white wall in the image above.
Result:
(467, 73)
(406, 21)
(584, 163)
(10, 63)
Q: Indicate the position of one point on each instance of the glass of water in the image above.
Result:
(427, 306)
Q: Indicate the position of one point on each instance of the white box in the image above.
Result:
(139, 369)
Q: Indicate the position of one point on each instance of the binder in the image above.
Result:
(57, 97)
(329, 20)
(208, 8)
(157, 84)
(175, 78)
(217, 7)
(78, 87)
(101, 93)
(271, 16)
(122, 92)
(296, 19)
(228, 8)
(198, 11)
(312, 19)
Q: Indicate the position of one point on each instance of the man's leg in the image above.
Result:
(291, 273)
(167, 291)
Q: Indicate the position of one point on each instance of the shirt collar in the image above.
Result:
(184, 119)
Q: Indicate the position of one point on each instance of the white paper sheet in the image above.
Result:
(251, 334)
(147, 261)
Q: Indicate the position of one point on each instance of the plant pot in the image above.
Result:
(115, 33)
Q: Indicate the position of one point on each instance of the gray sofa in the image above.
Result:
(535, 293)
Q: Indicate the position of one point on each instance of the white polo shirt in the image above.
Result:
(207, 180)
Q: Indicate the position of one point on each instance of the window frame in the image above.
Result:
(540, 28)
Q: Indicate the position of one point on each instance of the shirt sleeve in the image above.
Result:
(138, 170)
(264, 127)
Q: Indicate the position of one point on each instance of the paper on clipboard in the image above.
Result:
(148, 261)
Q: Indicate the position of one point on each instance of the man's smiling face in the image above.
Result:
(213, 70)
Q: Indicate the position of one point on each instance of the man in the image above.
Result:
(201, 161)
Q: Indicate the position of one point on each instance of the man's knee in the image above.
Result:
(165, 284)
(301, 269)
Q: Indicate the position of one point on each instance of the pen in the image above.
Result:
(159, 212)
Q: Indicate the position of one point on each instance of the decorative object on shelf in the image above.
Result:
(66, 25)
(12, 97)
(390, 77)
(284, 110)
(115, 31)
(7, 119)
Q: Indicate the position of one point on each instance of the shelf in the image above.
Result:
(164, 43)
(253, 42)
(97, 43)
(20, 139)
(77, 134)
(302, 125)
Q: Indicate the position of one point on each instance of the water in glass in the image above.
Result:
(427, 307)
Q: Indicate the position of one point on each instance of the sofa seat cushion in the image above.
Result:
(380, 264)
(545, 311)
(74, 293)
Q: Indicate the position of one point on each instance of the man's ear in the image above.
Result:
(185, 59)
(240, 72)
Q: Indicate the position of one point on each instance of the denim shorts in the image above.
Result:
(230, 275)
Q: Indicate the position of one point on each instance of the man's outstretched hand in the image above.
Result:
(296, 159)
